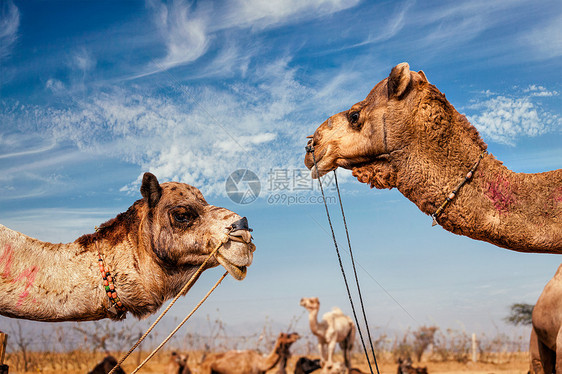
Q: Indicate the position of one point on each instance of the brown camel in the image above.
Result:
(248, 361)
(305, 365)
(406, 134)
(150, 251)
(405, 366)
(106, 365)
(546, 335)
(178, 364)
(334, 328)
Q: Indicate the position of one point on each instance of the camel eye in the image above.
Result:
(353, 118)
(183, 215)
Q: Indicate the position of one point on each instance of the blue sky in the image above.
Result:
(94, 93)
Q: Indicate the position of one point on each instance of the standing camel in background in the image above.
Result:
(146, 255)
(406, 134)
(546, 336)
(335, 327)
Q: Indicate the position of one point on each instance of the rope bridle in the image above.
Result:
(310, 149)
(184, 289)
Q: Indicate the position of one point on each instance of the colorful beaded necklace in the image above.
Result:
(115, 305)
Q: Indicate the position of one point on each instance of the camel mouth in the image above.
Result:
(237, 253)
(322, 166)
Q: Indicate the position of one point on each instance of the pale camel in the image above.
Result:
(248, 361)
(406, 134)
(546, 336)
(334, 328)
(150, 251)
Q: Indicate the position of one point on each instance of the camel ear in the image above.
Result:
(399, 80)
(422, 74)
(151, 189)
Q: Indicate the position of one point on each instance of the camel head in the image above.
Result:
(181, 228)
(288, 339)
(371, 130)
(284, 342)
(310, 304)
(175, 228)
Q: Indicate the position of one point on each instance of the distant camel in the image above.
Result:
(178, 364)
(406, 135)
(145, 255)
(546, 335)
(246, 362)
(285, 355)
(304, 365)
(106, 365)
(334, 328)
(405, 366)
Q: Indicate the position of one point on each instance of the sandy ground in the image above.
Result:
(514, 363)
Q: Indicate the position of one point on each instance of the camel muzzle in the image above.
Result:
(240, 231)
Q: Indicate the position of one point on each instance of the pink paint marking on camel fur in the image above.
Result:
(28, 274)
(500, 192)
(7, 258)
(557, 195)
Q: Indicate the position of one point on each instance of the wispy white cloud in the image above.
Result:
(185, 34)
(9, 24)
(540, 91)
(195, 136)
(506, 119)
(188, 30)
(263, 14)
(545, 39)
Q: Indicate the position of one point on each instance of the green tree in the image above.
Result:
(521, 314)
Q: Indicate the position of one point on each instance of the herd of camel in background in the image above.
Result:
(334, 328)
(404, 135)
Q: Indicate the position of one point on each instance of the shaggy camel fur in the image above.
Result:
(106, 365)
(247, 362)
(546, 336)
(406, 134)
(151, 251)
(177, 364)
(334, 328)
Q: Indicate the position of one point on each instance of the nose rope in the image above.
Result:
(184, 289)
(310, 149)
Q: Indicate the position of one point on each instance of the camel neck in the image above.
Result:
(519, 211)
(272, 358)
(313, 322)
(48, 282)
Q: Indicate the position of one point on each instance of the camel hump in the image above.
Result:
(336, 310)
(558, 273)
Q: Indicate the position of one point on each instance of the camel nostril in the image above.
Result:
(241, 224)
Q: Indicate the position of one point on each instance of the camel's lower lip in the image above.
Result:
(235, 257)
(237, 272)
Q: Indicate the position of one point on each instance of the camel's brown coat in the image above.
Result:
(151, 251)
(546, 337)
(248, 361)
(406, 134)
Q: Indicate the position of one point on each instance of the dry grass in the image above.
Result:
(81, 362)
